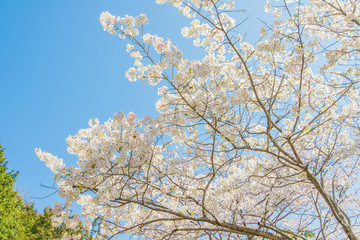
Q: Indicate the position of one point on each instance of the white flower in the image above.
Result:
(267, 6)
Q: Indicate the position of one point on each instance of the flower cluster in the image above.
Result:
(127, 24)
(258, 139)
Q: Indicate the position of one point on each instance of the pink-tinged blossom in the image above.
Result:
(254, 140)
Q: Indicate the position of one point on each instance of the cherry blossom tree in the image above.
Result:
(253, 141)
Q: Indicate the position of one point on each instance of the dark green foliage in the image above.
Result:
(10, 203)
(38, 225)
(3, 165)
(19, 220)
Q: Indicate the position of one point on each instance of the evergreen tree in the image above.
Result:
(10, 203)
(19, 220)
(38, 225)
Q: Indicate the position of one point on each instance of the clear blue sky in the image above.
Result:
(58, 69)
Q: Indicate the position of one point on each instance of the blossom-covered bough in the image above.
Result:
(253, 141)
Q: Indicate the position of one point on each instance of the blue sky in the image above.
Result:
(58, 69)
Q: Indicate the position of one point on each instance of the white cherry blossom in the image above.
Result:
(254, 140)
